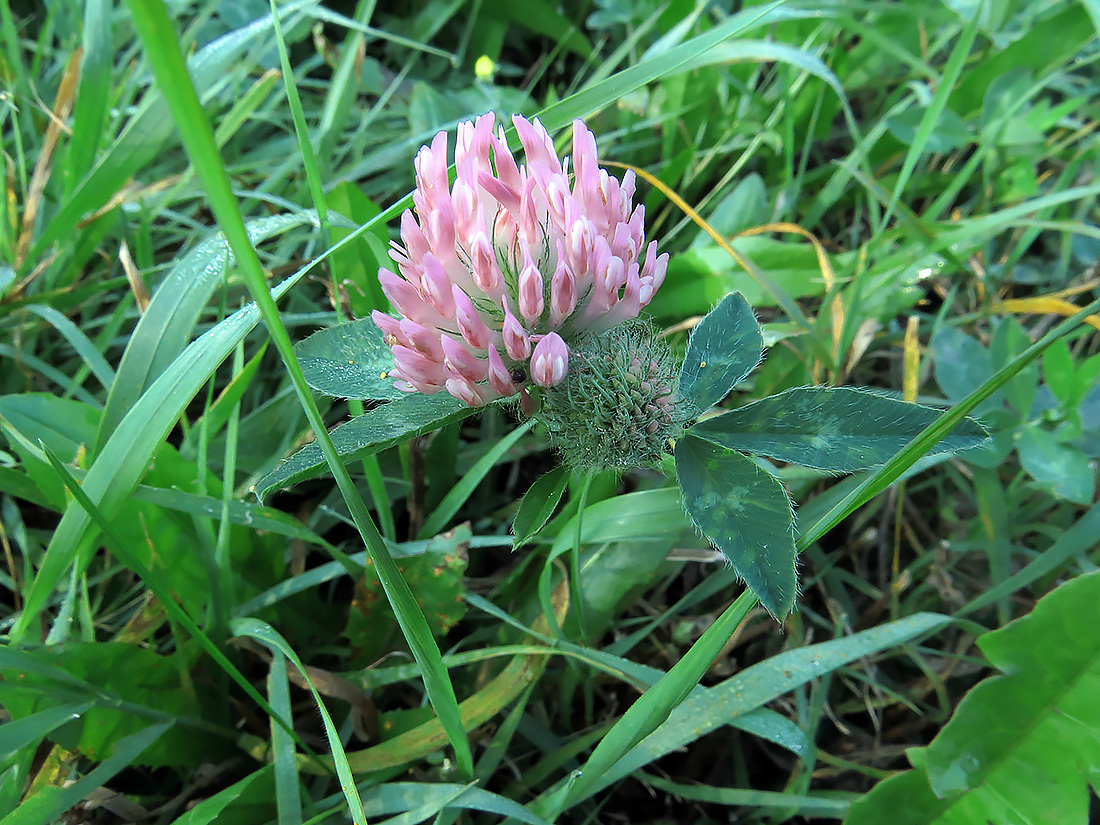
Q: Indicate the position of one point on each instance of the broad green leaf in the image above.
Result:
(1062, 468)
(1022, 746)
(960, 364)
(142, 686)
(1009, 340)
(538, 504)
(375, 430)
(746, 513)
(355, 267)
(349, 361)
(838, 429)
(722, 350)
(1060, 373)
(434, 576)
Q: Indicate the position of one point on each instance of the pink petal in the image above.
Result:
(500, 379)
(437, 286)
(390, 326)
(422, 339)
(461, 362)
(487, 273)
(537, 145)
(469, 320)
(465, 391)
(419, 371)
(516, 342)
(508, 197)
(563, 294)
(549, 361)
(405, 297)
(530, 292)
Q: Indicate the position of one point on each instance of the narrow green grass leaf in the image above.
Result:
(93, 91)
(301, 129)
(944, 87)
(162, 49)
(288, 795)
(723, 349)
(30, 730)
(150, 126)
(369, 433)
(269, 638)
(600, 94)
(766, 51)
(458, 494)
(166, 326)
(36, 364)
(1074, 542)
(654, 707)
(399, 797)
(823, 807)
(837, 429)
(79, 342)
(155, 582)
(746, 513)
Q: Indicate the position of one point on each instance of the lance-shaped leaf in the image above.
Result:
(368, 433)
(746, 513)
(723, 349)
(1022, 746)
(838, 429)
(349, 361)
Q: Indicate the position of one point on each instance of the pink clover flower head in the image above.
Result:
(499, 271)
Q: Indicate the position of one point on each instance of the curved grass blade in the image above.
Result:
(164, 329)
(269, 638)
(707, 711)
(79, 342)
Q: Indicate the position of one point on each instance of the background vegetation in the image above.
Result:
(909, 191)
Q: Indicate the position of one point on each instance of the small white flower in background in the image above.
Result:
(500, 272)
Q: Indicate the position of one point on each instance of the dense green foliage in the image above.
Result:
(197, 629)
